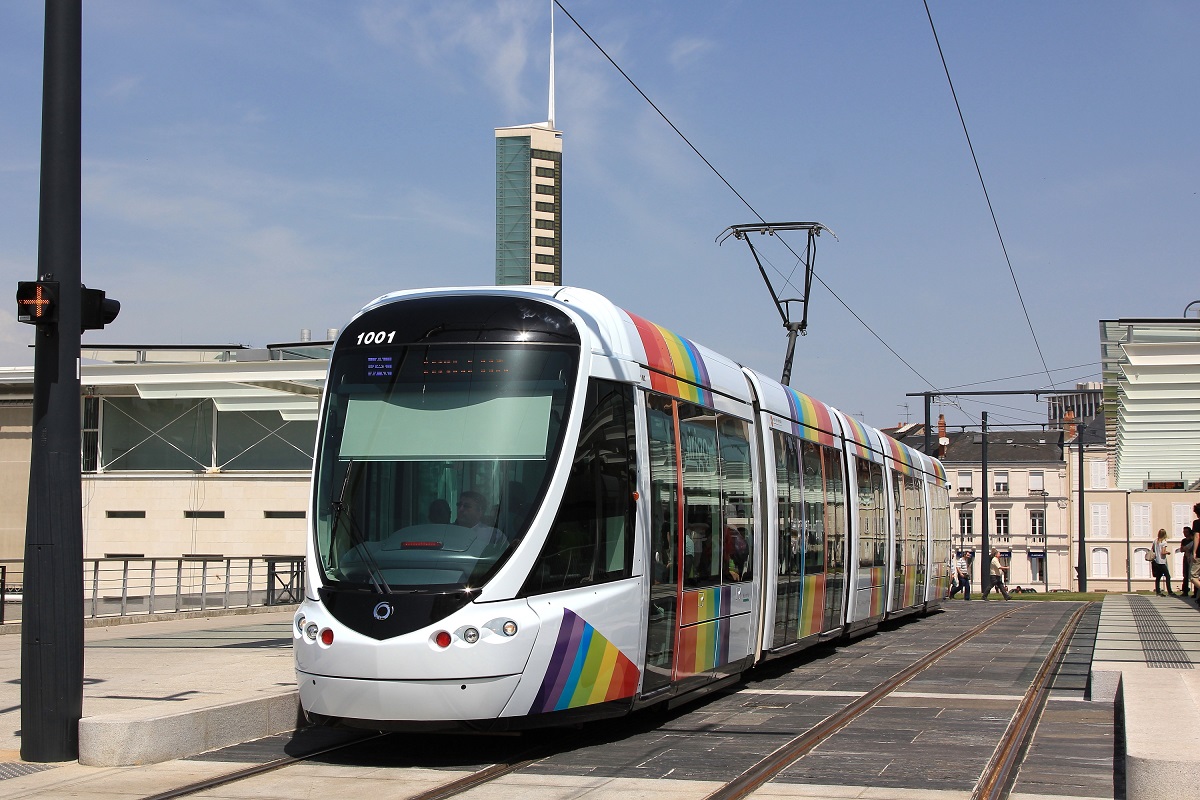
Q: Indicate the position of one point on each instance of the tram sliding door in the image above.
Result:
(701, 587)
(834, 510)
(664, 522)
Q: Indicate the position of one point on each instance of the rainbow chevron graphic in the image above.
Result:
(584, 669)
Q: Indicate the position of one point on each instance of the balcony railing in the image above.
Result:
(128, 586)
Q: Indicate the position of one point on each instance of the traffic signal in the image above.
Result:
(37, 302)
(95, 310)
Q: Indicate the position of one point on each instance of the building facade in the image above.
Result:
(185, 451)
(529, 206)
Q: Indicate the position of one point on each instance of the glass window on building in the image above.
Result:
(1001, 484)
(1141, 519)
(1037, 482)
(1141, 567)
(1037, 526)
(263, 440)
(1037, 568)
(1002, 531)
(1100, 528)
(138, 434)
(966, 525)
(965, 483)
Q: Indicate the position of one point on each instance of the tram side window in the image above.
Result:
(871, 515)
(814, 508)
(914, 505)
(701, 496)
(835, 509)
(737, 499)
(592, 538)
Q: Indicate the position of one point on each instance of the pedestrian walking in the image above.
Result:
(1194, 569)
(962, 576)
(1159, 565)
(996, 578)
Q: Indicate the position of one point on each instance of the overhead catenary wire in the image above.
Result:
(986, 196)
(738, 194)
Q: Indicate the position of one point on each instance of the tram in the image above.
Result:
(531, 507)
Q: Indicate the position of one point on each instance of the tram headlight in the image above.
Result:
(310, 630)
(510, 628)
(471, 635)
(300, 622)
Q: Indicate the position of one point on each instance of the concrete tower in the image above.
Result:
(529, 199)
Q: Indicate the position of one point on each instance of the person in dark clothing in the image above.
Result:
(1185, 547)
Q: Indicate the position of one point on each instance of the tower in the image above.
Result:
(529, 199)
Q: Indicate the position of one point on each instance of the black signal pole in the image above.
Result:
(52, 612)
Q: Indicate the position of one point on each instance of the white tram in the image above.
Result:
(531, 507)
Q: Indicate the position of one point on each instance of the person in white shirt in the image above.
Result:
(962, 574)
(1159, 565)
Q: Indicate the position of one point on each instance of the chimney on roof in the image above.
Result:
(1068, 418)
(943, 440)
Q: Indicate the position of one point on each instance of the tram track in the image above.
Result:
(994, 784)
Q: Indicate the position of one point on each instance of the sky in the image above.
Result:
(252, 168)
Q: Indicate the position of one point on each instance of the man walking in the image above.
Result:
(996, 578)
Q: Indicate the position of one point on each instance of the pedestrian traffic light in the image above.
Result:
(37, 302)
(95, 310)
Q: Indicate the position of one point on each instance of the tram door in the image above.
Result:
(665, 566)
(834, 512)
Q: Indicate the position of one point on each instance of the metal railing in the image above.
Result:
(125, 586)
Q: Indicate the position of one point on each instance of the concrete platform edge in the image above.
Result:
(131, 738)
(1157, 762)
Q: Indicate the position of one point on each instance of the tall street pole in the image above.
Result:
(52, 610)
(985, 575)
(1082, 559)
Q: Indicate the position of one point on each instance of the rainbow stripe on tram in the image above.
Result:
(584, 669)
(812, 605)
(815, 420)
(860, 439)
(900, 455)
(704, 630)
(676, 366)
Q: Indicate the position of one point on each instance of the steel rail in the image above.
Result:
(1001, 771)
(258, 769)
(753, 778)
(455, 787)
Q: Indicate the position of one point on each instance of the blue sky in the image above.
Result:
(255, 167)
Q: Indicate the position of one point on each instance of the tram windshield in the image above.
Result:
(433, 459)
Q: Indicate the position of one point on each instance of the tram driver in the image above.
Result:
(471, 506)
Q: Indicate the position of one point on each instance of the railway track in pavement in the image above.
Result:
(994, 783)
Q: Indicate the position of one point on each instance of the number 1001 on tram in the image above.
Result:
(531, 507)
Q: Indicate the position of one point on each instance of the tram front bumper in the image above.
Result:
(406, 700)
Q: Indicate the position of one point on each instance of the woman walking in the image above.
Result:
(1159, 566)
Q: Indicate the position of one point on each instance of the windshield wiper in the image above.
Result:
(338, 506)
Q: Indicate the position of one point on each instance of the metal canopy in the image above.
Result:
(1152, 398)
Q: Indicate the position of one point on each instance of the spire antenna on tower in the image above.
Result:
(550, 116)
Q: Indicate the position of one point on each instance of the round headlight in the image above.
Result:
(510, 628)
(310, 631)
(300, 625)
(471, 635)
